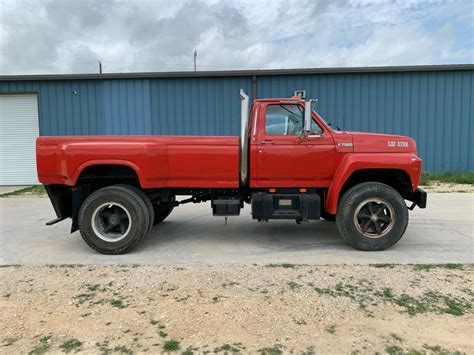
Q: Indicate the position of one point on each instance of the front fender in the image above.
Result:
(408, 162)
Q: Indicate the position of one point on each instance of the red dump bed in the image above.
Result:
(168, 161)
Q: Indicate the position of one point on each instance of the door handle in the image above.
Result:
(266, 142)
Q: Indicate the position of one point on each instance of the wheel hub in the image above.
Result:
(111, 222)
(114, 219)
(374, 218)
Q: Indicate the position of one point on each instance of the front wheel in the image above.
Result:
(372, 216)
(113, 220)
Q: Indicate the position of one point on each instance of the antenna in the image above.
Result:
(195, 57)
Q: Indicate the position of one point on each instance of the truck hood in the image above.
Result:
(381, 143)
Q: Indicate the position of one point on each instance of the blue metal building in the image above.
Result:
(433, 104)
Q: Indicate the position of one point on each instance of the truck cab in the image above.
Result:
(288, 163)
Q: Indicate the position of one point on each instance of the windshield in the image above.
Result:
(320, 117)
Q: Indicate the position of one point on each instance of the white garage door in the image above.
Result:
(18, 131)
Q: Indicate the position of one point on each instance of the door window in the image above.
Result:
(286, 120)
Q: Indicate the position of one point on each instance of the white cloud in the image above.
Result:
(62, 36)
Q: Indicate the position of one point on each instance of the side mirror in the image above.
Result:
(307, 116)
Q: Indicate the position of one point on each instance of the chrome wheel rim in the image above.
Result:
(111, 222)
(374, 218)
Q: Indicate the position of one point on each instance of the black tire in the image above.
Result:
(146, 199)
(372, 216)
(162, 210)
(123, 202)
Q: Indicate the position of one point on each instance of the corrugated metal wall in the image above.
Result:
(435, 108)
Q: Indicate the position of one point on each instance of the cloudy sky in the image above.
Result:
(66, 36)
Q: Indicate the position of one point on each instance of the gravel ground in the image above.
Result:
(333, 309)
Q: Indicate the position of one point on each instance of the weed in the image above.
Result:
(309, 351)
(9, 341)
(182, 299)
(438, 350)
(229, 284)
(428, 267)
(300, 321)
(364, 294)
(92, 288)
(123, 350)
(325, 291)
(162, 334)
(84, 297)
(411, 304)
(118, 303)
(293, 285)
(42, 347)
(275, 350)
(394, 350)
(71, 345)
(383, 265)
(396, 337)
(171, 345)
(226, 348)
(331, 329)
(283, 265)
(154, 322)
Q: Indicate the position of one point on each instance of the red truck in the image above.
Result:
(287, 164)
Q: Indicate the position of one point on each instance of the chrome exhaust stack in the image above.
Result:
(244, 136)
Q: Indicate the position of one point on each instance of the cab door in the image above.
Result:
(285, 158)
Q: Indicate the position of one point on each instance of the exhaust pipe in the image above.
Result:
(244, 136)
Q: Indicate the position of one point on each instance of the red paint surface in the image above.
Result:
(213, 162)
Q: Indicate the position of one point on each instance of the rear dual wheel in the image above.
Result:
(115, 219)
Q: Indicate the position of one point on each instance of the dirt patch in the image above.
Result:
(270, 309)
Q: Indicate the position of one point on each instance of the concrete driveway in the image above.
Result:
(442, 233)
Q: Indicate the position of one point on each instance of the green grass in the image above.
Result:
(71, 345)
(438, 350)
(283, 265)
(396, 337)
(383, 265)
(331, 329)
(226, 348)
(453, 178)
(9, 341)
(118, 303)
(123, 350)
(171, 345)
(37, 190)
(394, 350)
(428, 267)
(42, 347)
(275, 350)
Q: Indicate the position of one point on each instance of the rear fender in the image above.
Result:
(73, 180)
